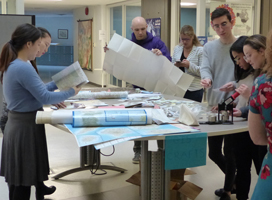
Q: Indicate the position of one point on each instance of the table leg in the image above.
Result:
(154, 179)
(145, 171)
(89, 160)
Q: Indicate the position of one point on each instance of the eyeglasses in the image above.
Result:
(185, 39)
(247, 57)
(223, 25)
(236, 59)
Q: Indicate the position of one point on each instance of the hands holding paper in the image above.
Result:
(77, 89)
(206, 83)
(105, 47)
(59, 105)
(228, 87)
(184, 63)
(157, 52)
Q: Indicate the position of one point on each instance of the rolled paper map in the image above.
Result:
(96, 117)
(100, 95)
(54, 117)
(112, 117)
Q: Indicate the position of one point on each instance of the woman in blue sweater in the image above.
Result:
(24, 160)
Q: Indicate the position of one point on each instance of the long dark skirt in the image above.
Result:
(24, 158)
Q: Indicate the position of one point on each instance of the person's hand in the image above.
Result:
(59, 105)
(227, 87)
(106, 48)
(178, 63)
(77, 89)
(237, 112)
(244, 91)
(214, 109)
(206, 83)
(157, 52)
(185, 63)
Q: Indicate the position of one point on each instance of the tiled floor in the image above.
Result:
(64, 155)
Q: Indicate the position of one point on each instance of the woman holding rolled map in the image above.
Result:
(24, 160)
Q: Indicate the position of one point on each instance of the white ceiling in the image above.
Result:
(62, 6)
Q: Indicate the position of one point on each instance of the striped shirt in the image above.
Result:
(195, 59)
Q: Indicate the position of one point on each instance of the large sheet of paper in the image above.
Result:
(95, 135)
(70, 77)
(130, 62)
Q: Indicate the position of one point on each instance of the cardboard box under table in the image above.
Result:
(166, 167)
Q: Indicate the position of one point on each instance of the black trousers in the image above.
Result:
(245, 152)
(19, 192)
(226, 161)
(194, 95)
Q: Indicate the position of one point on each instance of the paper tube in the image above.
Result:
(100, 95)
(96, 117)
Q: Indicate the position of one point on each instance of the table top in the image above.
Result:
(239, 124)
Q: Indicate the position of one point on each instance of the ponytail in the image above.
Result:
(8, 55)
(23, 33)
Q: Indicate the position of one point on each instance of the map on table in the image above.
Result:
(94, 135)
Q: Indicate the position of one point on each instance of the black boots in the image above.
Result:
(42, 190)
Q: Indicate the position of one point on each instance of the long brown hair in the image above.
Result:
(257, 42)
(23, 33)
(189, 31)
(268, 55)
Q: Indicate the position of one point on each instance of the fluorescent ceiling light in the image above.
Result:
(54, 44)
(187, 4)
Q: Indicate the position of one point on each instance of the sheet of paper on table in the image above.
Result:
(152, 146)
(70, 77)
(129, 62)
(96, 135)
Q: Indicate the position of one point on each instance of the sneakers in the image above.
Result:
(220, 191)
(136, 159)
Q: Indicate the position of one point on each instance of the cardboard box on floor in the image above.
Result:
(179, 189)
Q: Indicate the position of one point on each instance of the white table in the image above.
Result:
(155, 185)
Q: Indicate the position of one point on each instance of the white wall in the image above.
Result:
(54, 22)
(98, 14)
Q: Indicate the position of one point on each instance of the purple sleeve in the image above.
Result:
(162, 47)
